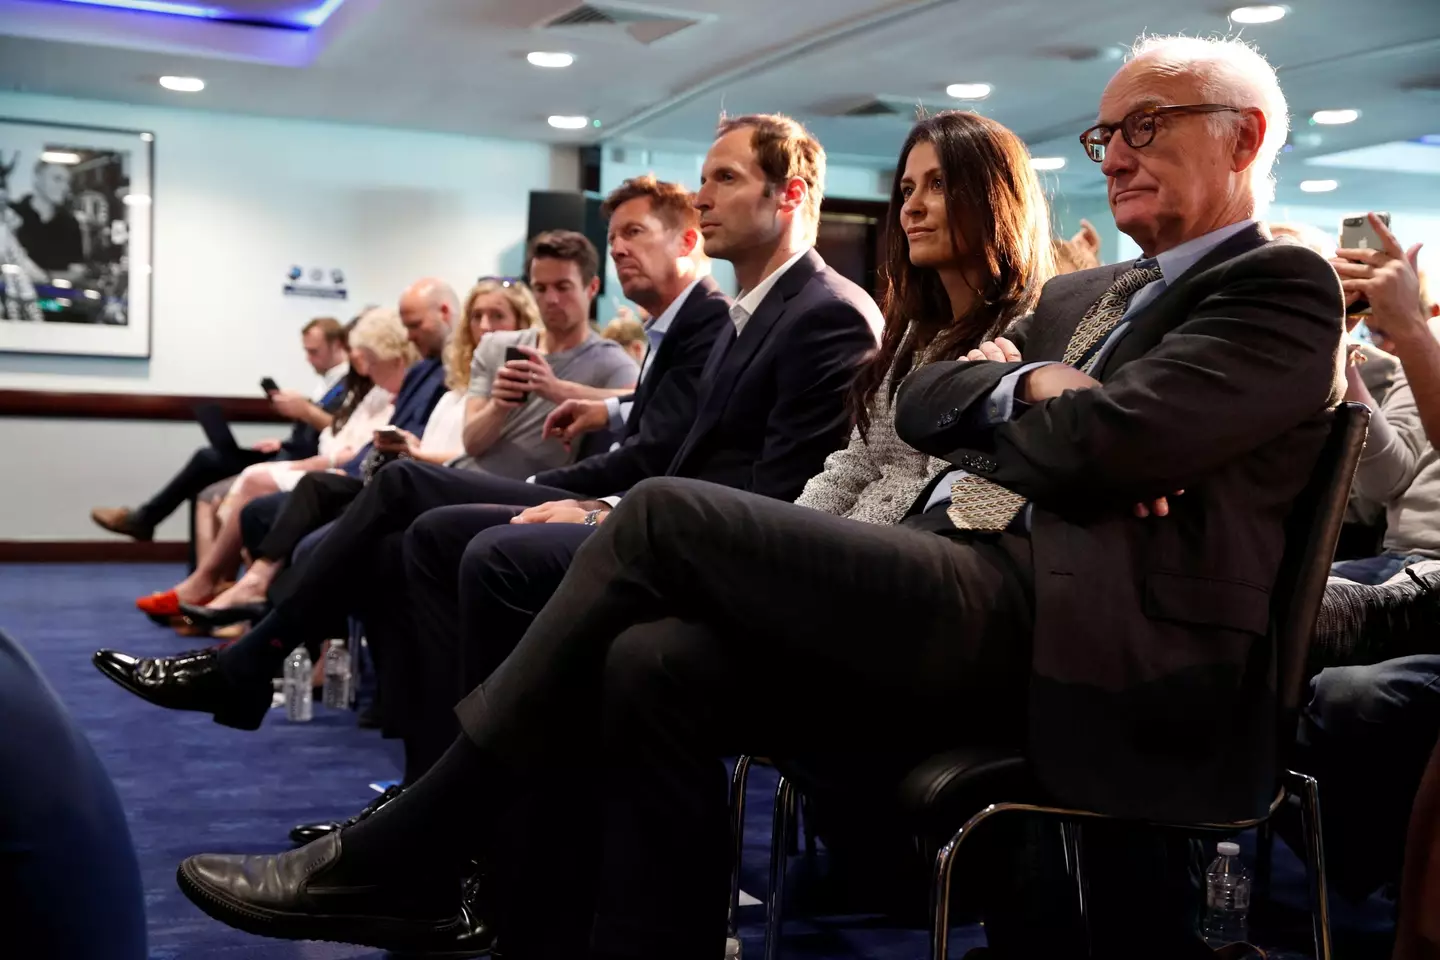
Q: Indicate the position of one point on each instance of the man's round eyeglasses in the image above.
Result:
(1139, 128)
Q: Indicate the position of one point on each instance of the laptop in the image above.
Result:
(217, 430)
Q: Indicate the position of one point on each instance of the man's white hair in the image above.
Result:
(1234, 73)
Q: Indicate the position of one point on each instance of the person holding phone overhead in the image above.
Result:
(518, 377)
(1399, 469)
(1368, 729)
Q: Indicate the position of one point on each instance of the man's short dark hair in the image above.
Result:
(671, 202)
(784, 149)
(332, 328)
(565, 245)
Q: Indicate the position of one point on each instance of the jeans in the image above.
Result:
(1373, 570)
(1366, 735)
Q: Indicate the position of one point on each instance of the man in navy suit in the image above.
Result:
(772, 409)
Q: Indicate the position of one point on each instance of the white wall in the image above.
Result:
(238, 200)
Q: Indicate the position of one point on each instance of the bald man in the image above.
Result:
(428, 309)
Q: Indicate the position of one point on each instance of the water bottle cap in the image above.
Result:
(1228, 849)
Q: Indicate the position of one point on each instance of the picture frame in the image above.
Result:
(76, 239)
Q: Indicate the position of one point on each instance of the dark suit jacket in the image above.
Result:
(420, 391)
(663, 405)
(774, 402)
(1153, 673)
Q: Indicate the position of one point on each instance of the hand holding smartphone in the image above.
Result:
(1356, 233)
(390, 434)
(269, 386)
(518, 384)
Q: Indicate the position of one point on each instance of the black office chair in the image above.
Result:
(959, 786)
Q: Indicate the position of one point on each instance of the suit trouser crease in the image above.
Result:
(700, 622)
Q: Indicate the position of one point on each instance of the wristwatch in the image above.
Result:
(593, 517)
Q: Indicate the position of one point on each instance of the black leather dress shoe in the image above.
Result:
(191, 681)
(224, 616)
(310, 832)
(307, 894)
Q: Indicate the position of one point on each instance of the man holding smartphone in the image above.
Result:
(517, 377)
(324, 341)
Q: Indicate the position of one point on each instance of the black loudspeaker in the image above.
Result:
(564, 210)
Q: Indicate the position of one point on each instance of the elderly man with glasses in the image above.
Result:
(1065, 595)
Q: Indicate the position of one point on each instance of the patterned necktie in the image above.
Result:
(980, 504)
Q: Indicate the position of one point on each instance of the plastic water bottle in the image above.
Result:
(299, 707)
(337, 676)
(1227, 898)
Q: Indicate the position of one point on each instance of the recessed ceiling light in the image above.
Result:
(969, 91)
(59, 156)
(1047, 163)
(1334, 116)
(136, 200)
(1318, 186)
(569, 123)
(1260, 13)
(183, 84)
(540, 58)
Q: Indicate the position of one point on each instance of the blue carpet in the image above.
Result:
(189, 786)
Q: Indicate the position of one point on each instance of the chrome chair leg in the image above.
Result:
(940, 879)
(779, 847)
(1309, 790)
(1070, 838)
(739, 778)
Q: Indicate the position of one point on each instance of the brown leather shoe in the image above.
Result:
(122, 521)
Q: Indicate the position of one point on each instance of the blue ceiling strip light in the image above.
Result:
(299, 20)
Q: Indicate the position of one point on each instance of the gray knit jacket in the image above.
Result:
(874, 482)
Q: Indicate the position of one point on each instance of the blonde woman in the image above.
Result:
(491, 305)
(380, 350)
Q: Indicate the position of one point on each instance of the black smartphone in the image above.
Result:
(515, 353)
(269, 386)
(1357, 233)
(390, 434)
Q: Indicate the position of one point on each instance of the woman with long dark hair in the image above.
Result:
(967, 252)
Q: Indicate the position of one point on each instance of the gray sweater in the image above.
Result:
(1399, 468)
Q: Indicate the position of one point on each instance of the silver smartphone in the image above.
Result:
(1356, 233)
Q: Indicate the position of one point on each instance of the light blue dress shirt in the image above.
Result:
(1173, 264)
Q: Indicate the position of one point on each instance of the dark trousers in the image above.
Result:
(316, 500)
(1367, 734)
(206, 466)
(698, 623)
(258, 516)
(339, 576)
(475, 583)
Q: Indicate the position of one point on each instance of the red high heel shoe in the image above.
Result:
(164, 607)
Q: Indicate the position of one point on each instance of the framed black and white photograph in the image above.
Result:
(75, 239)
